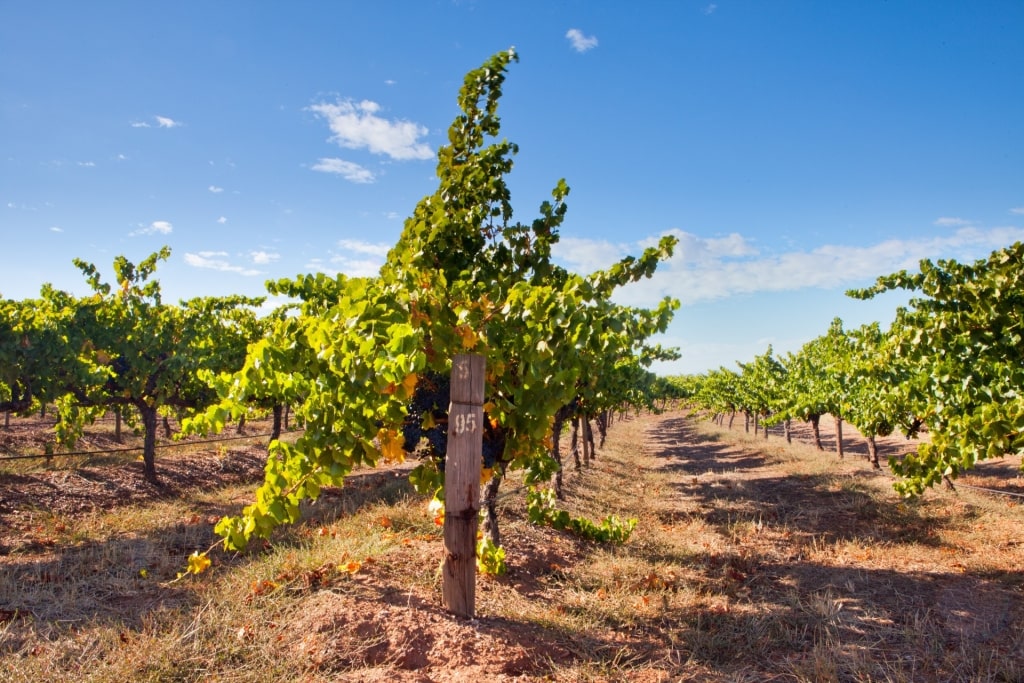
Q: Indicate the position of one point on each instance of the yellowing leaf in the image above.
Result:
(468, 336)
(436, 507)
(350, 567)
(391, 445)
(198, 563)
(486, 474)
(409, 384)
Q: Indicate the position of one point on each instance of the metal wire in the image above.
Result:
(129, 449)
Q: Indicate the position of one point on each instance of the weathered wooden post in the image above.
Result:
(462, 483)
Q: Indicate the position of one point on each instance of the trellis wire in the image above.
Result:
(129, 449)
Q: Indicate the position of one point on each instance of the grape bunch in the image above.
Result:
(494, 444)
(429, 407)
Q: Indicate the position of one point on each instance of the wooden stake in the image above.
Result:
(462, 483)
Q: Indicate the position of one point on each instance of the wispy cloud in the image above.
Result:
(1017, 210)
(154, 228)
(369, 248)
(263, 257)
(352, 267)
(710, 9)
(161, 122)
(579, 41)
(362, 259)
(346, 169)
(951, 222)
(56, 229)
(87, 164)
(705, 269)
(356, 125)
(214, 189)
(217, 260)
(222, 220)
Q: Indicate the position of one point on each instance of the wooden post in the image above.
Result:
(462, 483)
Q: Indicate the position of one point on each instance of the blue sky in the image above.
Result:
(796, 148)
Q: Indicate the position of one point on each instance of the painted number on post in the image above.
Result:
(465, 423)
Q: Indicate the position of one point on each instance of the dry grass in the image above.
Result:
(752, 561)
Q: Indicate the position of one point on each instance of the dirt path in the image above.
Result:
(811, 540)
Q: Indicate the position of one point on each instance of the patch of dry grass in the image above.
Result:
(752, 561)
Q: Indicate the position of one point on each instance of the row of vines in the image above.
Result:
(950, 364)
(365, 362)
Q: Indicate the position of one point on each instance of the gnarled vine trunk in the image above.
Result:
(815, 429)
(275, 433)
(149, 424)
(556, 450)
(574, 444)
(588, 441)
(490, 505)
(873, 452)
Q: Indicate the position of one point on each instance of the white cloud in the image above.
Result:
(356, 125)
(161, 122)
(56, 229)
(710, 9)
(951, 222)
(263, 257)
(217, 260)
(586, 256)
(87, 164)
(1017, 209)
(390, 82)
(706, 269)
(154, 228)
(214, 189)
(370, 248)
(580, 42)
(222, 220)
(346, 169)
(369, 257)
(356, 267)
(122, 157)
